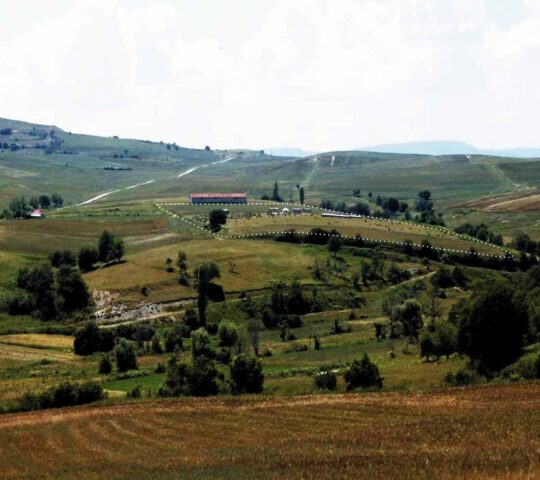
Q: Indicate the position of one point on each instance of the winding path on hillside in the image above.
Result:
(180, 175)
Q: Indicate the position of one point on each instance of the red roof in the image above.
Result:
(218, 195)
(37, 211)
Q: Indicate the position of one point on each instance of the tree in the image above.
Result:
(326, 380)
(155, 347)
(360, 208)
(87, 257)
(89, 339)
(431, 306)
(424, 202)
(44, 201)
(492, 326)
(445, 339)
(40, 284)
(72, 288)
(34, 202)
(174, 338)
(254, 328)
(409, 314)
(181, 262)
(246, 375)
(521, 241)
(201, 380)
(216, 219)
(392, 205)
(442, 278)
(227, 334)
(334, 245)
(200, 344)
(204, 274)
(301, 193)
(18, 207)
(124, 354)
(57, 200)
(363, 373)
(105, 366)
(380, 331)
(65, 257)
(275, 194)
(104, 246)
(116, 250)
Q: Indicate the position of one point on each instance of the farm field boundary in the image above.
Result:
(163, 208)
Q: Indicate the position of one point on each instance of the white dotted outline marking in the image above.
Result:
(160, 206)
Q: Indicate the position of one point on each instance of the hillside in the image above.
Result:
(38, 159)
(42, 159)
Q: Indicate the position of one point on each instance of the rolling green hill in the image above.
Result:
(42, 159)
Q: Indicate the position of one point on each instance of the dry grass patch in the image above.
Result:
(475, 433)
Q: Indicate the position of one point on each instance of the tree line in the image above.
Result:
(20, 207)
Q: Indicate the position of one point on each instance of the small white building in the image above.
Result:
(37, 213)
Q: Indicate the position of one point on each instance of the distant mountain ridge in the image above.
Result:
(450, 148)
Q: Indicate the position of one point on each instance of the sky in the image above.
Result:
(315, 74)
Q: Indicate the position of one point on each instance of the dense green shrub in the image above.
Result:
(63, 395)
(363, 373)
(174, 338)
(125, 356)
(464, 376)
(90, 339)
(200, 344)
(527, 367)
(196, 379)
(105, 366)
(326, 380)
(227, 333)
(246, 375)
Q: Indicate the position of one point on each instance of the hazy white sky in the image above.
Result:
(318, 74)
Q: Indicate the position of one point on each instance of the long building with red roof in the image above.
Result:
(199, 198)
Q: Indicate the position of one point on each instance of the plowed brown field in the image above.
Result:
(474, 433)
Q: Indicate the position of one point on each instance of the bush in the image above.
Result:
(212, 328)
(135, 392)
(527, 367)
(326, 380)
(105, 366)
(363, 374)
(464, 376)
(124, 354)
(227, 334)
(246, 375)
(297, 348)
(200, 344)
(198, 378)
(87, 257)
(174, 338)
(63, 395)
(159, 368)
(156, 346)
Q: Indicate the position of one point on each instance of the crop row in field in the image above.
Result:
(475, 433)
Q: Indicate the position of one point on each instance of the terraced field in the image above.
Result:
(474, 433)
